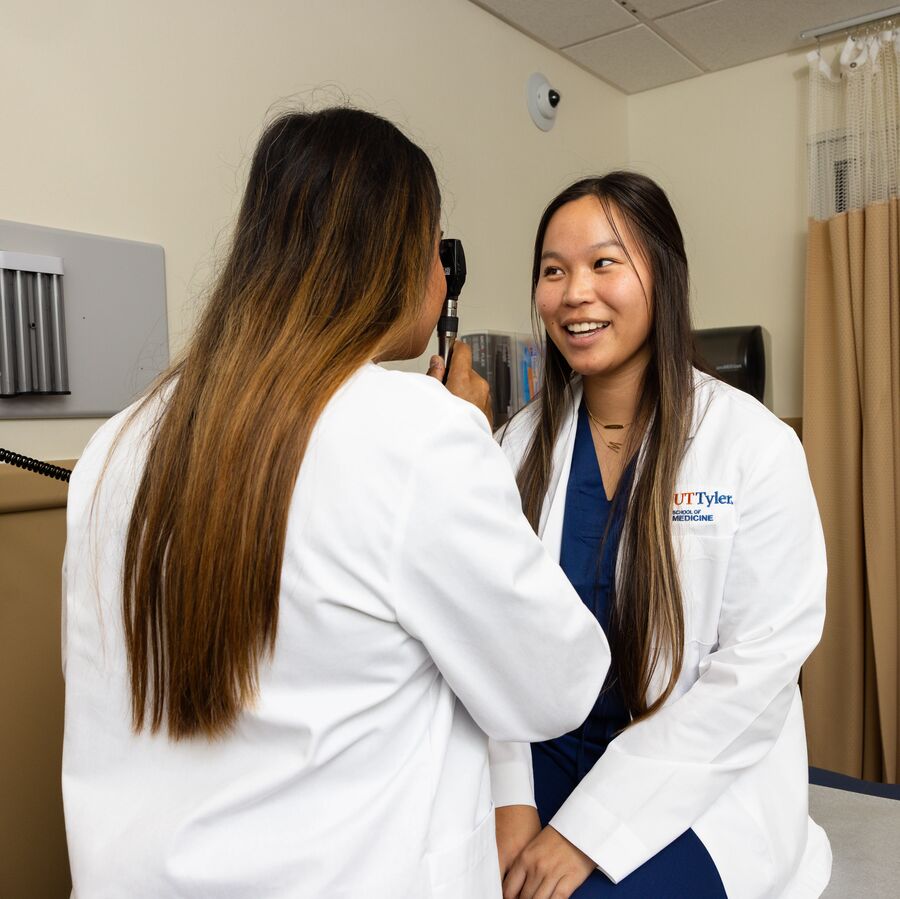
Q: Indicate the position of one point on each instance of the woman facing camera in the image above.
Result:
(300, 589)
(682, 512)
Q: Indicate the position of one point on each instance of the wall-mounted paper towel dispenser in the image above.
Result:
(737, 355)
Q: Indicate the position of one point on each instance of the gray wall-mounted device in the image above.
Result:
(32, 325)
(92, 355)
(737, 355)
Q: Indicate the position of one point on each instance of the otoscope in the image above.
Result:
(454, 261)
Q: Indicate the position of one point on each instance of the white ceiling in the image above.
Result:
(635, 45)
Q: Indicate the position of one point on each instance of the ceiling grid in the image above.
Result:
(636, 45)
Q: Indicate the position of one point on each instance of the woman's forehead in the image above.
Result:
(589, 224)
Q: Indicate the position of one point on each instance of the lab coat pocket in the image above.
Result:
(704, 568)
(470, 869)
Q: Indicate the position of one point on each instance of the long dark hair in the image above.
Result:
(647, 617)
(331, 253)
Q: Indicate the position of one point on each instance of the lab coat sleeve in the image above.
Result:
(512, 775)
(473, 582)
(662, 773)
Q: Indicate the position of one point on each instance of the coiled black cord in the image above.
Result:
(44, 468)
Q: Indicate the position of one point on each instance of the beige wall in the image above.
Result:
(729, 149)
(136, 120)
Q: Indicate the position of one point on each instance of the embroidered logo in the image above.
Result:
(699, 505)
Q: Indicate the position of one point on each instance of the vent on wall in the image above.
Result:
(92, 358)
(32, 325)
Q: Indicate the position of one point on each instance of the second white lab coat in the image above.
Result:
(418, 613)
(726, 755)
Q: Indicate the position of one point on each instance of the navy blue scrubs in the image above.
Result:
(684, 868)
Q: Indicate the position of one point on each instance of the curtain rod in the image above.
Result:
(849, 23)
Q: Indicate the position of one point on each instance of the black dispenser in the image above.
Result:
(736, 355)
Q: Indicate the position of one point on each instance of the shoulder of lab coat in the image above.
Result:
(515, 435)
(661, 774)
(472, 581)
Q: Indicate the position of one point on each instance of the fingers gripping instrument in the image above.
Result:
(454, 261)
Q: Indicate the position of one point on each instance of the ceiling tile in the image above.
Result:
(728, 33)
(633, 60)
(652, 9)
(562, 22)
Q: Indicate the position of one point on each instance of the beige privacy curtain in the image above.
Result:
(851, 403)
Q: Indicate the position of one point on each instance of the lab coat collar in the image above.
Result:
(552, 513)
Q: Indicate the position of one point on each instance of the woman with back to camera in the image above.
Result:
(300, 589)
(681, 510)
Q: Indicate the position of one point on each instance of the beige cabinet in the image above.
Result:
(33, 859)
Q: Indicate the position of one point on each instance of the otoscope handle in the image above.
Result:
(448, 324)
(447, 329)
(445, 351)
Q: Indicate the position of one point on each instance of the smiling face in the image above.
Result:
(594, 301)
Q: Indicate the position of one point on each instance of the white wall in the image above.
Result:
(729, 148)
(136, 120)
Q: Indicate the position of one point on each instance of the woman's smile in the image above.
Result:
(582, 334)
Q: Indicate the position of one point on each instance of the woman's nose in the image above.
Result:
(580, 289)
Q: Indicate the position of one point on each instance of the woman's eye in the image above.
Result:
(603, 263)
(551, 270)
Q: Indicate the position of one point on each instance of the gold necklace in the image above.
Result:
(613, 445)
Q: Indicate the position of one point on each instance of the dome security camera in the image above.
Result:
(542, 101)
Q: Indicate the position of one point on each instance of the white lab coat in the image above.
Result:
(418, 613)
(726, 755)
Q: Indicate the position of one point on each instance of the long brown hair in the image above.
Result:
(647, 616)
(331, 253)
